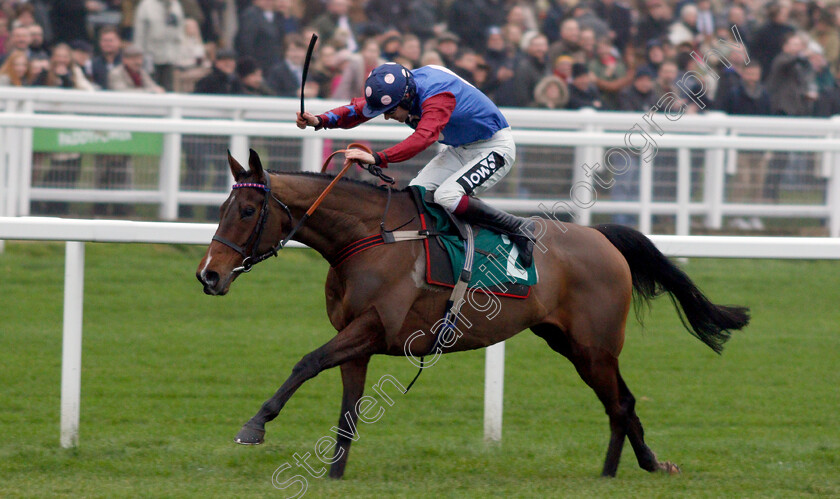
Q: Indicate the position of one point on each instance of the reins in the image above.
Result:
(254, 239)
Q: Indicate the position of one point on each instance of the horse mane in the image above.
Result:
(329, 176)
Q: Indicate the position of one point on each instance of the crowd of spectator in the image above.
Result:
(749, 57)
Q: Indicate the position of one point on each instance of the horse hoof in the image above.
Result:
(250, 436)
(669, 468)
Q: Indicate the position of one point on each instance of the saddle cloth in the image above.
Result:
(496, 268)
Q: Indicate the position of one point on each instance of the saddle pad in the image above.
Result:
(496, 268)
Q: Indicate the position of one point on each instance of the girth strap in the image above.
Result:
(456, 300)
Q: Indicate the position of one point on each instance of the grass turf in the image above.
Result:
(169, 376)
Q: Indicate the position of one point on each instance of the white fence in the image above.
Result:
(76, 232)
(704, 156)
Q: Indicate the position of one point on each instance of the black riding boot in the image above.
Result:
(519, 230)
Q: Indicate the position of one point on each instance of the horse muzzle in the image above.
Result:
(212, 283)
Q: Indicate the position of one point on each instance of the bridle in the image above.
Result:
(249, 260)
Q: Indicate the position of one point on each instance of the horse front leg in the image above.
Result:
(361, 338)
(353, 374)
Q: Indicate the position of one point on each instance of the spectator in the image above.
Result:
(654, 55)
(159, 33)
(448, 45)
(825, 33)
(391, 45)
(582, 91)
(469, 20)
(420, 20)
(68, 19)
(410, 52)
(530, 70)
(4, 33)
(358, 68)
(705, 24)
(737, 17)
(619, 19)
(431, 58)
(289, 20)
(800, 15)
(64, 168)
(748, 97)
(655, 22)
(685, 30)
(553, 16)
(770, 38)
(586, 19)
(250, 74)
(327, 69)
(38, 14)
(211, 27)
(222, 78)
(193, 51)
(63, 72)
(336, 18)
(466, 65)
(822, 74)
(791, 82)
(587, 44)
(194, 63)
(109, 56)
(569, 42)
(261, 34)
(82, 52)
(522, 15)
(284, 77)
(129, 75)
(609, 72)
(640, 95)
(551, 93)
(37, 65)
(36, 41)
(666, 78)
(384, 13)
(13, 70)
(563, 68)
(19, 39)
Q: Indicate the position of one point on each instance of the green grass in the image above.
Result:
(170, 375)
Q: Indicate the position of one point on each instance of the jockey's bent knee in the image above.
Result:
(449, 196)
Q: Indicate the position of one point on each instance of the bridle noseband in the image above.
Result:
(256, 236)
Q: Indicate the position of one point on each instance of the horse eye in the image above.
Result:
(248, 211)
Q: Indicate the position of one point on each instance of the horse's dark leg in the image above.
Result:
(636, 435)
(599, 369)
(361, 338)
(353, 378)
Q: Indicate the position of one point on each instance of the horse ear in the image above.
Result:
(235, 168)
(255, 164)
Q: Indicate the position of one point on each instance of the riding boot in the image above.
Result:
(519, 230)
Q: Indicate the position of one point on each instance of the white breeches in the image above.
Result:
(469, 169)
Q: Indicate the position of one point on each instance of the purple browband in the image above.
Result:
(247, 184)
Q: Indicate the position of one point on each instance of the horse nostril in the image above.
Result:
(211, 278)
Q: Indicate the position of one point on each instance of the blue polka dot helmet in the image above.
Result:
(386, 87)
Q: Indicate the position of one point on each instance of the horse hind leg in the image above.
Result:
(636, 434)
(599, 370)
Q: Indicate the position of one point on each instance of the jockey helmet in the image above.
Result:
(387, 87)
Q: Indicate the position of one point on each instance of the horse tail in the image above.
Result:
(654, 274)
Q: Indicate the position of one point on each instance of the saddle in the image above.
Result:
(495, 268)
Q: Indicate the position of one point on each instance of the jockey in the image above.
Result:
(439, 106)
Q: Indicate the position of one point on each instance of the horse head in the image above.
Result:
(249, 229)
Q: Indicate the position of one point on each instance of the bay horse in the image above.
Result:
(377, 298)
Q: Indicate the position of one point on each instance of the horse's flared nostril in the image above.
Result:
(211, 278)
